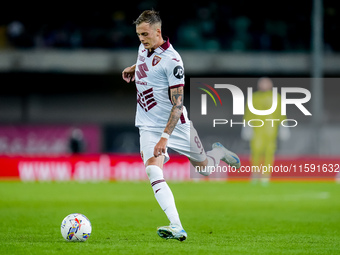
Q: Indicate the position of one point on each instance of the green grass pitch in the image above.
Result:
(219, 217)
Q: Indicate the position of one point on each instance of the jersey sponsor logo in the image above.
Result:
(156, 60)
(146, 99)
(141, 58)
(178, 72)
(142, 83)
(142, 69)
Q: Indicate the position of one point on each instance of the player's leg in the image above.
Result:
(269, 155)
(165, 199)
(256, 157)
(337, 178)
(162, 192)
(212, 158)
(186, 141)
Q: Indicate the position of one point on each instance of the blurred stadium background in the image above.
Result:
(60, 70)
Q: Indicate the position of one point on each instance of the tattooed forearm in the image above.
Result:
(176, 95)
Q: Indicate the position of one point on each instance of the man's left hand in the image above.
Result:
(160, 147)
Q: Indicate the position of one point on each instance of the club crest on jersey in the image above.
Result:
(156, 60)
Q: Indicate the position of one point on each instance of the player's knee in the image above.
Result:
(148, 171)
(154, 172)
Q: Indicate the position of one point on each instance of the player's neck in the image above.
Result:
(159, 43)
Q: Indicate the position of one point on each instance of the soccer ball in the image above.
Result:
(76, 227)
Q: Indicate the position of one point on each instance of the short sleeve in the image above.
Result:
(175, 72)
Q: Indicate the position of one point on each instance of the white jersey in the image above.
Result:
(156, 73)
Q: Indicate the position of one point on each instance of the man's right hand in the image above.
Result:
(128, 73)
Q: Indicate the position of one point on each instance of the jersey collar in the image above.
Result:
(161, 48)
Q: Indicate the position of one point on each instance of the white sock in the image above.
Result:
(163, 193)
(214, 156)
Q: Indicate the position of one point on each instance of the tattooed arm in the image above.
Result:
(177, 97)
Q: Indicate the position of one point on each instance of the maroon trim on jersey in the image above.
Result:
(152, 105)
(146, 100)
(182, 119)
(176, 86)
(161, 48)
(150, 53)
(165, 45)
(147, 91)
(148, 96)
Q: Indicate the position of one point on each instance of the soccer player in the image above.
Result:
(263, 139)
(162, 119)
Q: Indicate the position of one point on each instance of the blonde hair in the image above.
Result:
(149, 16)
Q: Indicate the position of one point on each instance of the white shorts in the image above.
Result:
(184, 140)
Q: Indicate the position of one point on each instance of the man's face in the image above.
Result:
(148, 35)
(265, 84)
